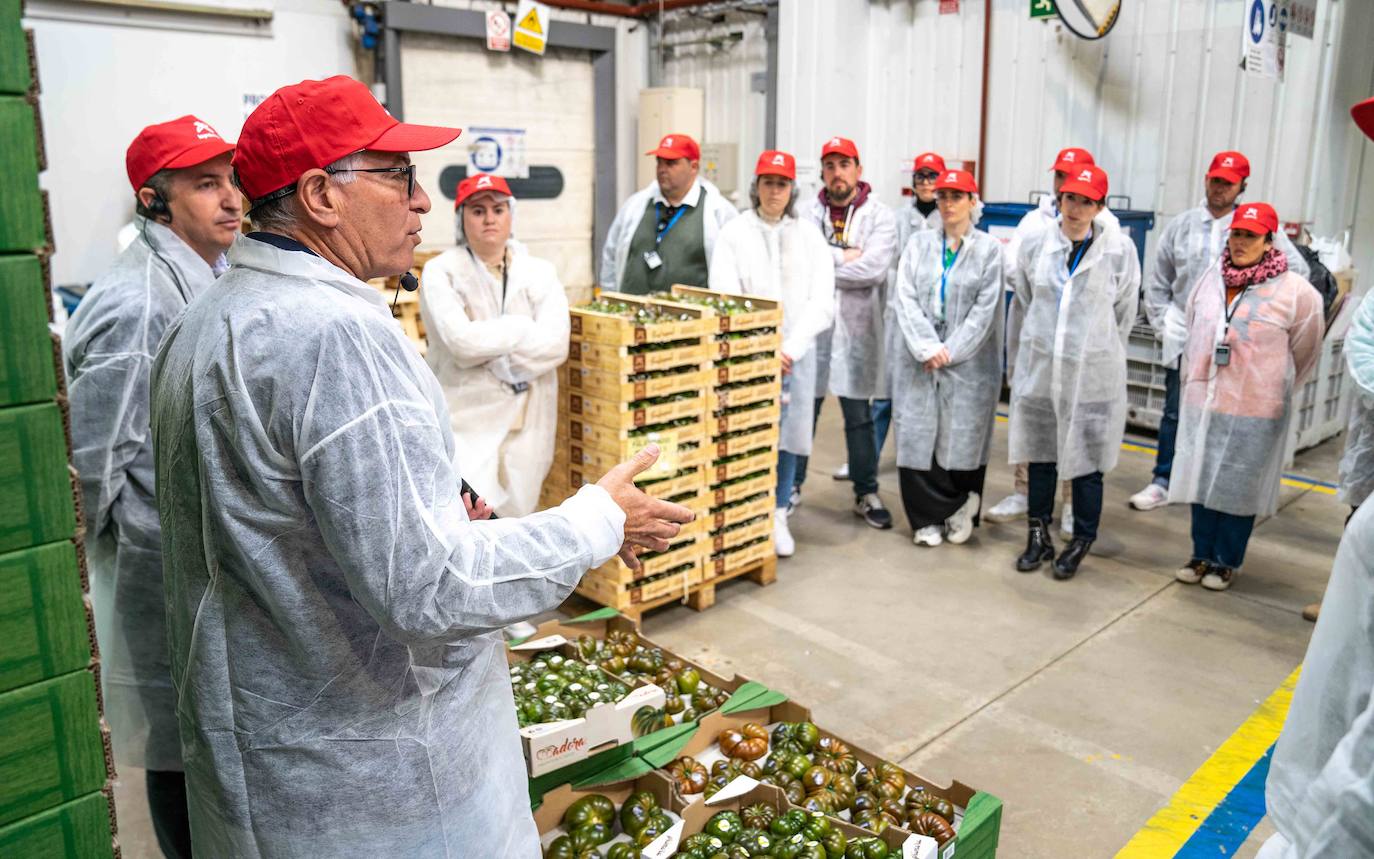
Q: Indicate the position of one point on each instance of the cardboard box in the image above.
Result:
(27, 371)
(624, 415)
(590, 326)
(767, 313)
(548, 817)
(45, 630)
(53, 750)
(37, 498)
(23, 218)
(628, 360)
(80, 828)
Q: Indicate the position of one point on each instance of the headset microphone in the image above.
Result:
(409, 282)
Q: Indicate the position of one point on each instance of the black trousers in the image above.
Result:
(1043, 477)
(167, 806)
(931, 497)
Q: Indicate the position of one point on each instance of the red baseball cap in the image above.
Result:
(312, 124)
(958, 180)
(1363, 114)
(478, 183)
(675, 146)
(840, 146)
(183, 142)
(1090, 181)
(1231, 166)
(1256, 217)
(928, 161)
(776, 163)
(1071, 159)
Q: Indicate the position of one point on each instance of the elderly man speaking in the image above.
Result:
(334, 614)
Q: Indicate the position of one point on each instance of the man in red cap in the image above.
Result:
(862, 234)
(333, 611)
(187, 212)
(1190, 244)
(665, 232)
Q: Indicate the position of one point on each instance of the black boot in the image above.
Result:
(1066, 566)
(1039, 547)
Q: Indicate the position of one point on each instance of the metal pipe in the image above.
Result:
(770, 111)
(1321, 129)
(639, 10)
(1167, 125)
(983, 108)
(1204, 91)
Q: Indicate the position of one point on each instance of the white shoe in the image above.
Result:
(841, 473)
(960, 525)
(783, 544)
(1012, 507)
(1151, 497)
(793, 501)
(929, 536)
(1066, 523)
(519, 630)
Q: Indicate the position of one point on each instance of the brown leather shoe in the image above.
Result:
(1311, 612)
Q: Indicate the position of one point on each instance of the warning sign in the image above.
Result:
(532, 26)
(498, 31)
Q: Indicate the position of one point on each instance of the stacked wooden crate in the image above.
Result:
(405, 306)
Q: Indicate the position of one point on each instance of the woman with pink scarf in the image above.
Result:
(1254, 334)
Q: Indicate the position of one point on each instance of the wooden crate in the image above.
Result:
(723, 424)
(602, 384)
(760, 365)
(765, 341)
(686, 548)
(721, 398)
(570, 478)
(687, 480)
(762, 570)
(638, 596)
(742, 511)
(763, 460)
(625, 443)
(671, 460)
(627, 360)
(747, 440)
(623, 415)
(737, 535)
(735, 560)
(697, 500)
(763, 482)
(767, 313)
(590, 326)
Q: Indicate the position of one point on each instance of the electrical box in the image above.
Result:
(667, 110)
(720, 165)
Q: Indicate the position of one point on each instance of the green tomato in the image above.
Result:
(790, 847)
(755, 841)
(622, 850)
(657, 824)
(587, 810)
(812, 850)
(817, 827)
(687, 681)
(637, 811)
(797, 766)
(786, 826)
(835, 843)
(866, 848)
(592, 835)
(726, 825)
(564, 848)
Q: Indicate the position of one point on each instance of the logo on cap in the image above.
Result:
(779, 161)
(1068, 156)
(928, 159)
(1252, 213)
(950, 177)
(1228, 161)
(834, 141)
(205, 132)
(668, 141)
(1085, 176)
(484, 182)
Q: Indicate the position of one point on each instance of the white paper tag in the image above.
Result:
(546, 643)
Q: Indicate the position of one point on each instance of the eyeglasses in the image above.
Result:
(409, 170)
(925, 178)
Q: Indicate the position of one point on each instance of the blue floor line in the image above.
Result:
(1231, 822)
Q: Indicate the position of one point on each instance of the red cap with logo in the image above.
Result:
(675, 146)
(928, 161)
(957, 180)
(1090, 181)
(1258, 218)
(1230, 166)
(776, 163)
(312, 124)
(183, 142)
(1363, 114)
(840, 146)
(478, 183)
(1071, 159)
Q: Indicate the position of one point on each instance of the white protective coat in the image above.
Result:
(108, 350)
(333, 616)
(1066, 349)
(910, 221)
(1234, 420)
(850, 355)
(1357, 462)
(480, 349)
(718, 212)
(1189, 245)
(946, 416)
(790, 262)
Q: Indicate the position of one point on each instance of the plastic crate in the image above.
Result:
(1320, 408)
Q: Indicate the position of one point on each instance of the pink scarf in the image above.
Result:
(1271, 265)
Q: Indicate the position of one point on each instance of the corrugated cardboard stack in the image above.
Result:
(55, 765)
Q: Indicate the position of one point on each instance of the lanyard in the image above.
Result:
(1230, 309)
(1078, 257)
(672, 222)
(947, 263)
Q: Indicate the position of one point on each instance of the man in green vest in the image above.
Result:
(665, 232)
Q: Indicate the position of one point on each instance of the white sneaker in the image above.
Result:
(1066, 523)
(1012, 507)
(841, 473)
(929, 536)
(1151, 497)
(783, 544)
(960, 525)
(793, 501)
(519, 630)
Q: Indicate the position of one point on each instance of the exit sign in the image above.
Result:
(1042, 8)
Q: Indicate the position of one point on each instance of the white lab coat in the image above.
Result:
(718, 212)
(1188, 246)
(1066, 349)
(1357, 462)
(851, 354)
(333, 616)
(910, 221)
(482, 349)
(108, 354)
(789, 262)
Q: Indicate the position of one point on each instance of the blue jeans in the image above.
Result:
(1168, 428)
(1220, 538)
(787, 476)
(859, 439)
(882, 421)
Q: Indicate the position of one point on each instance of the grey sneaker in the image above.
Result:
(870, 508)
(793, 501)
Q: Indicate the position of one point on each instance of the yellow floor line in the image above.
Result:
(1171, 827)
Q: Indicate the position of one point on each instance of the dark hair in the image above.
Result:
(789, 211)
(161, 183)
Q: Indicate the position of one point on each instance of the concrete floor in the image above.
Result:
(1084, 705)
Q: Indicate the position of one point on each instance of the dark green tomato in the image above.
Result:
(589, 809)
(623, 850)
(613, 664)
(725, 825)
(688, 715)
(797, 766)
(637, 811)
(835, 843)
(817, 827)
(760, 815)
(755, 842)
(688, 681)
(784, 827)
(657, 824)
(592, 835)
(812, 850)
(864, 801)
(673, 703)
(563, 848)
(704, 842)
(789, 847)
(866, 848)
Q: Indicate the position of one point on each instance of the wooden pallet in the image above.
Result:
(761, 573)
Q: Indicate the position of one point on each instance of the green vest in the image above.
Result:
(683, 251)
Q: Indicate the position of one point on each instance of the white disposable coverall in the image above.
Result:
(333, 616)
(1189, 245)
(1357, 462)
(108, 352)
(1066, 349)
(1234, 419)
(482, 347)
(850, 355)
(789, 262)
(719, 211)
(909, 221)
(947, 416)
(1045, 216)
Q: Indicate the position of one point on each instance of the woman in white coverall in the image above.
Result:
(497, 323)
(1254, 334)
(946, 368)
(1076, 291)
(771, 253)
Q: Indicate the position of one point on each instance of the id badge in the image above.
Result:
(653, 260)
(1222, 356)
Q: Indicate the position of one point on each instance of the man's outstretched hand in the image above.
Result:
(650, 524)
